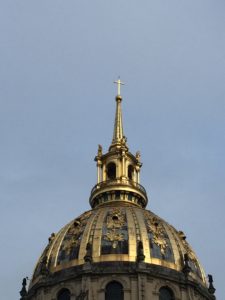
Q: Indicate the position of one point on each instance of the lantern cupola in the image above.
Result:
(118, 170)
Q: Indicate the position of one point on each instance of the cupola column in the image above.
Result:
(99, 171)
(98, 159)
(138, 174)
(103, 172)
(123, 165)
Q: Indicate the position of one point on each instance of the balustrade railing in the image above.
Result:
(115, 182)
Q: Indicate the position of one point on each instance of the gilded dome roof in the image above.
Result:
(118, 230)
(118, 233)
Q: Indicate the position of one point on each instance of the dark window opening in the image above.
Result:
(111, 171)
(117, 195)
(64, 294)
(166, 294)
(130, 172)
(115, 218)
(114, 291)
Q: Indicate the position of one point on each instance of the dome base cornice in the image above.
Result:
(97, 270)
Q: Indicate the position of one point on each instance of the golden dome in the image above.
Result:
(114, 234)
(118, 234)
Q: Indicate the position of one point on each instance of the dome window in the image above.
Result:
(111, 171)
(166, 294)
(130, 172)
(115, 218)
(64, 294)
(114, 291)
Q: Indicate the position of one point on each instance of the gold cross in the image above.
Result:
(119, 83)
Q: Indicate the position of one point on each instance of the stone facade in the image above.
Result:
(140, 281)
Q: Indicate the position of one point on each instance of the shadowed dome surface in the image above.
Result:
(113, 233)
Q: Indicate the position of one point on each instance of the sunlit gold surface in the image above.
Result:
(137, 230)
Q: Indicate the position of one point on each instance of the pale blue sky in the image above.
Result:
(58, 62)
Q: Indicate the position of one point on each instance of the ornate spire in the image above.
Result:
(118, 136)
(118, 125)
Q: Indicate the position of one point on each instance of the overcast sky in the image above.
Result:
(58, 61)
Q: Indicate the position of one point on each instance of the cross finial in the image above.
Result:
(119, 83)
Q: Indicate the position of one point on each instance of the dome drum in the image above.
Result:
(117, 190)
(139, 281)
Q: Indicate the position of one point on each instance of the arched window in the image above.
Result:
(64, 294)
(130, 172)
(111, 171)
(166, 294)
(114, 291)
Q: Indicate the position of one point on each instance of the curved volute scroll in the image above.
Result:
(118, 170)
